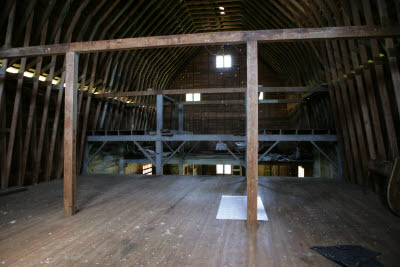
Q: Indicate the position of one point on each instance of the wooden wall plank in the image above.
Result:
(389, 43)
(383, 89)
(3, 117)
(45, 115)
(16, 107)
(32, 108)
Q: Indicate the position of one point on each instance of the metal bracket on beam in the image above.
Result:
(323, 153)
(145, 152)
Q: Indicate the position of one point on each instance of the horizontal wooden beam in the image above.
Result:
(221, 102)
(174, 92)
(212, 91)
(214, 137)
(210, 38)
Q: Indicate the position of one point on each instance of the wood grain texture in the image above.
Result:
(70, 115)
(171, 220)
(252, 132)
(213, 38)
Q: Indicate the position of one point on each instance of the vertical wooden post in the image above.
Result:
(159, 146)
(3, 109)
(180, 117)
(70, 120)
(85, 157)
(252, 132)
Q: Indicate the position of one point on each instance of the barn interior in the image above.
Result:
(124, 124)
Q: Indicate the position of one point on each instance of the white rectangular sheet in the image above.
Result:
(235, 208)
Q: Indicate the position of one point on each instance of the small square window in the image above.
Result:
(261, 96)
(228, 169)
(223, 61)
(227, 61)
(147, 169)
(196, 97)
(224, 169)
(220, 62)
(220, 169)
(300, 171)
(193, 97)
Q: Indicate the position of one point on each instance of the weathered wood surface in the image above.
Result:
(237, 37)
(70, 128)
(212, 91)
(252, 132)
(128, 220)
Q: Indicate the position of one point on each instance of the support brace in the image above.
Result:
(323, 153)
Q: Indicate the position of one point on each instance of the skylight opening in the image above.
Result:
(223, 61)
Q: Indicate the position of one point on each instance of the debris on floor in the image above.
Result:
(351, 256)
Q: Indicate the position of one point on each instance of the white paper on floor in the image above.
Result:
(235, 208)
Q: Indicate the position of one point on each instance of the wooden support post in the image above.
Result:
(339, 163)
(180, 118)
(70, 120)
(252, 132)
(121, 163)
(3, 120)
(180, 129)
(159, 145)
(85, 157)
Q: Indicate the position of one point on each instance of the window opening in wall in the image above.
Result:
(193, 97)
(300, 171)
(261, 96)
(224, 61)
(148, 169)
(224, 169)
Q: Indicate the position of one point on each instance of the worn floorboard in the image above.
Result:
(170, 221)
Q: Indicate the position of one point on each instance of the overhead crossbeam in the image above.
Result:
(216, 138)
(211, 38)
(290, 89)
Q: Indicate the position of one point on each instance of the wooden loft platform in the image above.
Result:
(171, 221)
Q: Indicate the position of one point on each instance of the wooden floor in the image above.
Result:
(170, 221)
